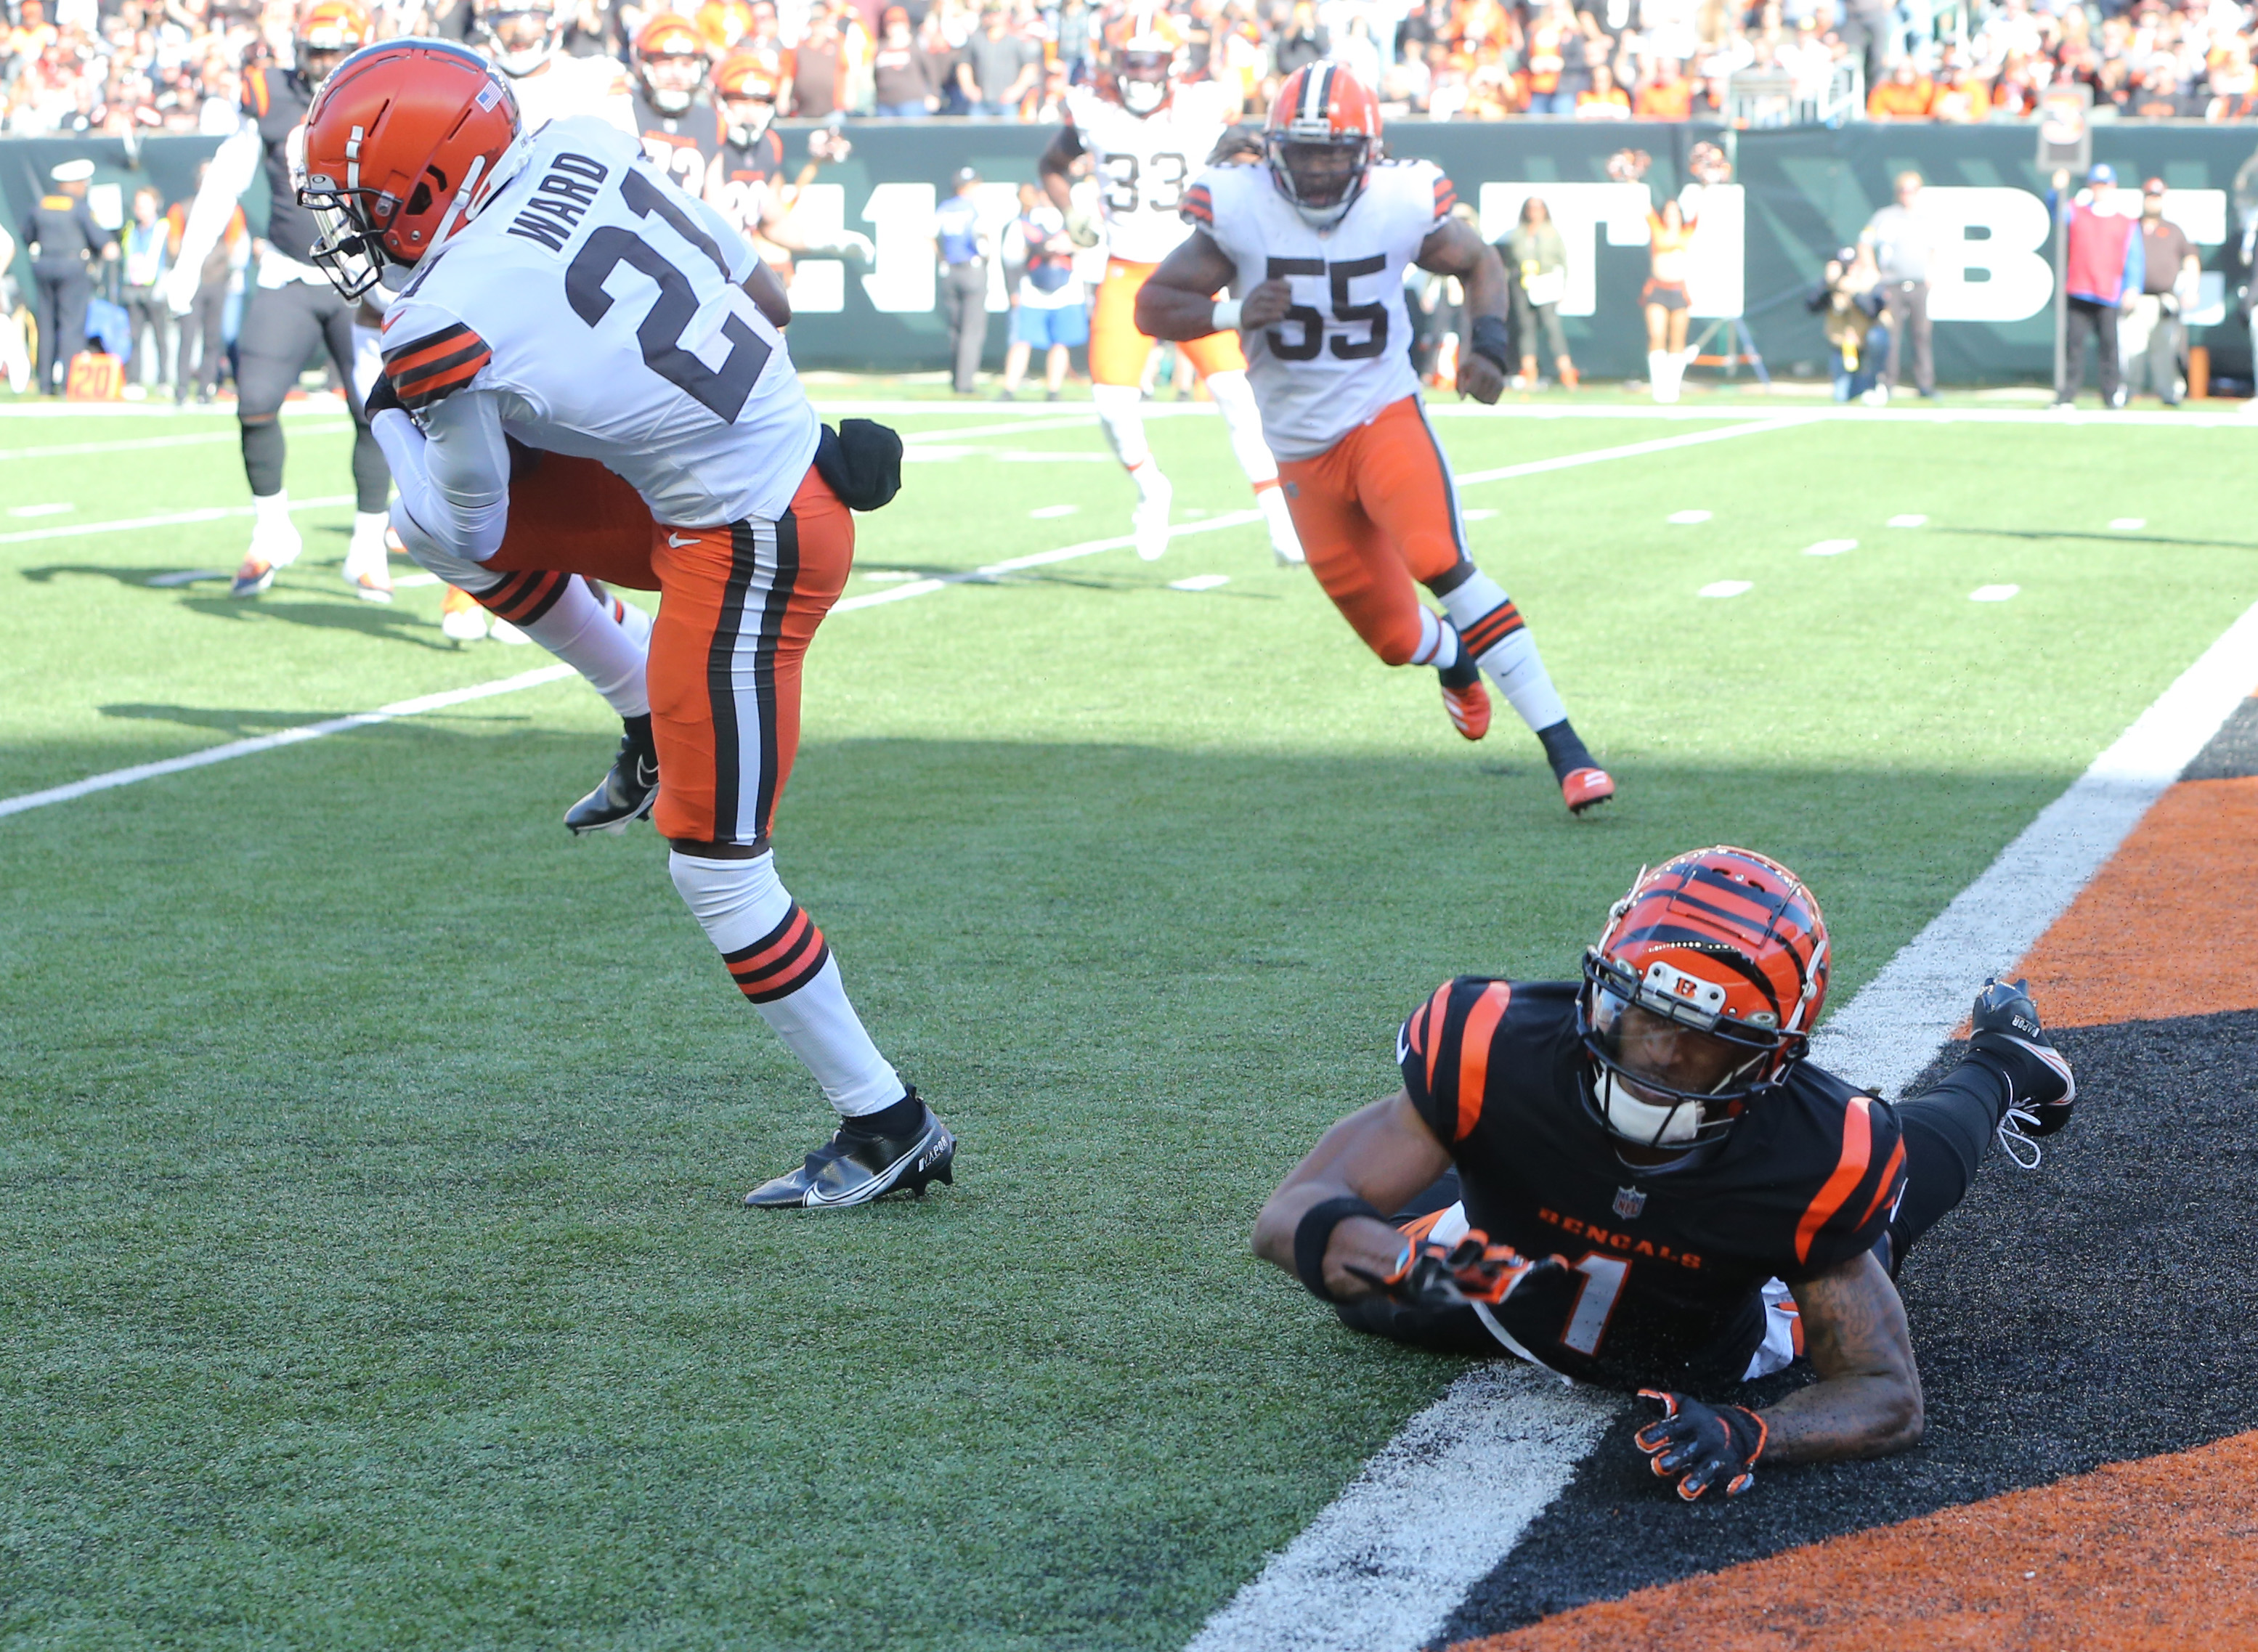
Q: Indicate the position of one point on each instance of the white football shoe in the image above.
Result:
(461, 620)
(276, 544)
(368, 565)
(1149, 521)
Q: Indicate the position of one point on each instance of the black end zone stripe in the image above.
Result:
(2231, 754)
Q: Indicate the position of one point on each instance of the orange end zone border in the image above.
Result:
(2157, 1554)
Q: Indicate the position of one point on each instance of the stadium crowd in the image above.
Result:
(115, 66)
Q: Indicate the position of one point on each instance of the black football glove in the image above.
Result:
(380, 396)
(1437, 1277)
(1700, 1446)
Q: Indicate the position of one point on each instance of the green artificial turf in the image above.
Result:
(371, 1268)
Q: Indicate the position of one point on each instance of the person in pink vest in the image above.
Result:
(2102, 272)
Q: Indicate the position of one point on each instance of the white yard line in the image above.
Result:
(1892, 1030)
(176, 519)
(72, 450)
(1384, 1567)
(873, 599)
(285, 737)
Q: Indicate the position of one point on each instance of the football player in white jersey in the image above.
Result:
(1148, 137)
(526, 40)
(577, 323)
(1314, 245)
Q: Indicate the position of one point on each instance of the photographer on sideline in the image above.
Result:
(1902, 242)
(2151, 334)
(1849, 307)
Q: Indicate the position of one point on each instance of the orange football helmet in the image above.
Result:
(670, 59)
(747, 85)
(1323, 137)
(1725, 944)
(1144, 45)
(325, 31)
(403, 142)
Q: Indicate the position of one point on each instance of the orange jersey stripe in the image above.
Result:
(1889, 1180)
(1474, 1053)
(1850, 1170)
(430, 351)
(1438, 1007)
(430, 385)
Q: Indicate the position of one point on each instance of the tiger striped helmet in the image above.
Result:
(1725, 944)
(1323, 137)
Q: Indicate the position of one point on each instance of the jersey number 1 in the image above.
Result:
(721, 390)
(1312, 322)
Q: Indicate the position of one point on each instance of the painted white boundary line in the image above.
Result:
(285, 737)
(72, 450)
(1892, 1028)
(1383, 1568)
(1427, 1519)
(877, 598)
(1817, 409)
(177, 519)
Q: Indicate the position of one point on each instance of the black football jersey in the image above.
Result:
(682, 144)
(1672, 1259)
(749, 171)
(277, 99)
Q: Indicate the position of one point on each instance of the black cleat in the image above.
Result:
(628, 791)
(854, 1169)
(2042, 1089)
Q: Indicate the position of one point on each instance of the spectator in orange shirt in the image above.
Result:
(1908, 94)
(1605, 101)
(1668, 96)
(1962, 95)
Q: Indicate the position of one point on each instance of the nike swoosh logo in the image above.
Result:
(678, 541)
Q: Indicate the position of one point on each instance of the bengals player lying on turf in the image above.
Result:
(1638, 1181)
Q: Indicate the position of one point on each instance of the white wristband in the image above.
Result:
(1226, 314)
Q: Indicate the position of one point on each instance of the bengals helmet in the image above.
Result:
(1723, 944)
(670, 60)
(1323, 137)
(519, 35)
(1145, 47)
(403, 143)
(747, 85)
(325, 31)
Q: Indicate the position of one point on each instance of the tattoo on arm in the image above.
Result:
(1867, 1401)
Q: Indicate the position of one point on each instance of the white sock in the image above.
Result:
(1438, 642)
(633, 621)
(1490, 626)
(369, 534)
(1658, 374)
(1234, 399)
(1123, 421)
(780, 961)
(271, 510)
(583, 634)
(1278, 517)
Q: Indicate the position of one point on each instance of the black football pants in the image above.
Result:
(1947, 1128)
(281, 329)
(60, 289)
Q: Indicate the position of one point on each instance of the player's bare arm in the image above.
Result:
(767, 293)
(1455, 249)
(1055, 167)
(1383, 1154)
(1178, 301)
(1867, 1401)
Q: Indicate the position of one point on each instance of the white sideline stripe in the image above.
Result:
(873, 599)
(177, 519)
(75, 448)
(1427, 1519)
(285, 737)
(1684, 413)
(1344, 1583)
(1892, 1028)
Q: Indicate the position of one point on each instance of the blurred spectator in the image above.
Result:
(2103, 271)
(1536, 269)
(148, 254)
(1604, 100)
(1850, 311)
(962, 246)
(1303, 41)
(1000, 66)
(1906, 95)
(1902, 241)
(2153, 336)
(1052, 311)
(901, 75)
(1665, 95)
(816, 70)
(65, 243)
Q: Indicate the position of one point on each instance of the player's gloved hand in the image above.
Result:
(1445, 1276)
(1081, 228)
(1702, 1446)
(380, 396)
(1239, 145)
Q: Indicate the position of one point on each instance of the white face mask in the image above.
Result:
(1643, 1121)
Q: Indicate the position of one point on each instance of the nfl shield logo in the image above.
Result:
(1628, 1203)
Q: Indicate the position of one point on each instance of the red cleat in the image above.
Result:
(1469, 708)
(1581, 787)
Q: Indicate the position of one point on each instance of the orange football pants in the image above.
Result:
(1118, 349)
(740, 604)
(1376, 511)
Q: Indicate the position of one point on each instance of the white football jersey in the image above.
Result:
(1143, 166)
(600, 307)
(564, 87)
(1343, 353)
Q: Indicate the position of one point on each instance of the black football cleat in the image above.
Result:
(2041, 1088)
(628, 791)
(854, 1167)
